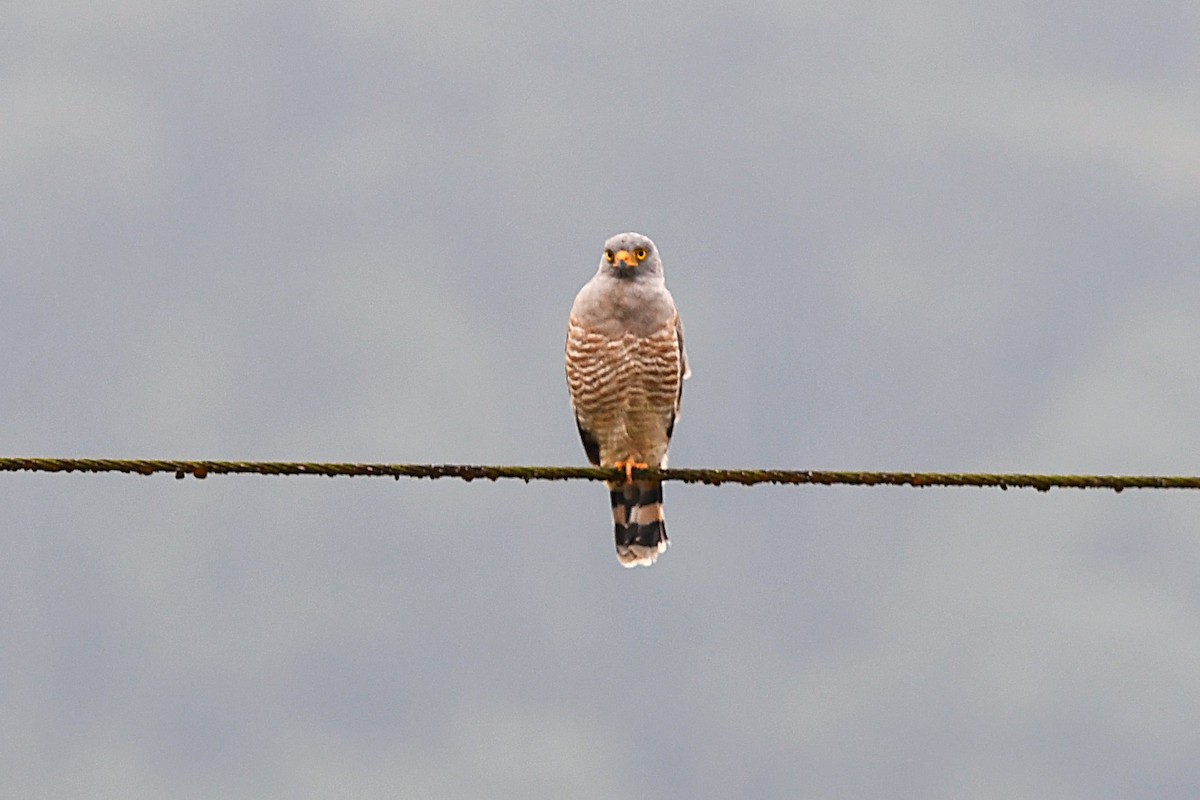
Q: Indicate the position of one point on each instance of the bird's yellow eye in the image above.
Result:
(640, 253)
(608, 256)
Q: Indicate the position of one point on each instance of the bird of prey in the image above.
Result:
(625, 369)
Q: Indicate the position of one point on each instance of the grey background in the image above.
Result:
(926, 236)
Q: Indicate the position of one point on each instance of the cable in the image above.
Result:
(711, 477)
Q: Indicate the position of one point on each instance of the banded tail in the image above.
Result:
(639, 526)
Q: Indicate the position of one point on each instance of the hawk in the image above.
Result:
(625, 370)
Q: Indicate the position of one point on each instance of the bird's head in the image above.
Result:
(630, 256)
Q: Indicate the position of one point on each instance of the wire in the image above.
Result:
(711, 477)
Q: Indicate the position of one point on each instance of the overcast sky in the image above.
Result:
(920, 236)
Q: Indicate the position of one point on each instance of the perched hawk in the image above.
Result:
(625, 370)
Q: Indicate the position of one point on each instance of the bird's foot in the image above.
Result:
(629, 466)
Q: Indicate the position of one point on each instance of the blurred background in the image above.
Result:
(917, 236)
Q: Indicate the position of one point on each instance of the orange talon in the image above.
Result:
(629, 466)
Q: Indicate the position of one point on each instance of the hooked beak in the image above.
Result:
(626, 257)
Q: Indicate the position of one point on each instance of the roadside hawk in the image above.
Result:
(625, 370)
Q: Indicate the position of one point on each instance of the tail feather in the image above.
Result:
(638, 522)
